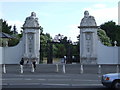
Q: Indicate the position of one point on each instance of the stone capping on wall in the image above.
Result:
(88, 26)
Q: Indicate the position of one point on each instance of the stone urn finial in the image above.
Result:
(86, 14)
(31, 22)
(88, 21)
(33, 14)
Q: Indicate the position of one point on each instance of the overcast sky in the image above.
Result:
(59, 16)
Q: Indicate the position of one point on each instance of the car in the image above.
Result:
(111, 80)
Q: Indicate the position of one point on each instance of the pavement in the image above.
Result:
(52, 76)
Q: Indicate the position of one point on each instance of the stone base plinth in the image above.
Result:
(88, 61)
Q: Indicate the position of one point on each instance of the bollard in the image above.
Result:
(117, 69)
(81, 69)
(64, 68)
(99, 69)
(33, 70)
(21, 68)
(57, 70)
(4, 68)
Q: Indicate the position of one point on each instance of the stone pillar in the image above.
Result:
(88, 39)
(31, 31)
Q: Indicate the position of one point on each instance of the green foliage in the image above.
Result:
(76, 49)
(19, 36)
(43, 43)
(118, 36)
(13, 42)
(3, 42)
(103, 37)
(59, 50)
(4, 27)
(112, 30)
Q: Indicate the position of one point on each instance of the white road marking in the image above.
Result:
(24, 83)
(85, 80)
(59, 79)
(20, 79)
(48, 79)
(5, 79)
(42, 79)
(55, 84)
(58, 84)
(28, 79)
(86, 84)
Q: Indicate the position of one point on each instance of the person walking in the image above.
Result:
(65, 58)
(21, 65)
(34, 65)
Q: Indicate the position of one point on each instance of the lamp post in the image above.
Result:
(75, 52)
(69, 56)
(49, 52)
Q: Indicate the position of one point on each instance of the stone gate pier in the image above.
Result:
(31, 38)
(88, 39)
(28, 47)
(92, 51)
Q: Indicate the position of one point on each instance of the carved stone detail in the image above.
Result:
(31, 21)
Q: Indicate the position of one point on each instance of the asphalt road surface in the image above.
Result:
(51, 81)
(46, 78)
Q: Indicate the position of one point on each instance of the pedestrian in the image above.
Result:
(73, 58)
(21, 65)
(22, 61)
(65, 59)
(34, 64)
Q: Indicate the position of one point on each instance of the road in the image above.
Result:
(51, 80)
(47, 77)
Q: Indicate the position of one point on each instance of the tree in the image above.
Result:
(112, 30)
(103, 37)
(59, 50)
(118, 35)
(60, 47)
(13, 42)
(43, 43)
(5, 28)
